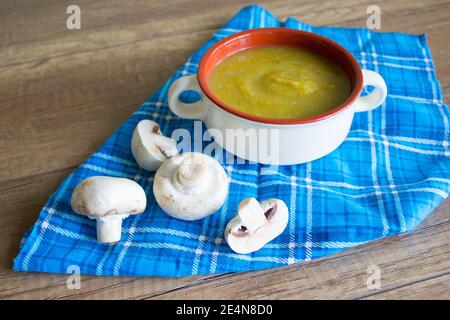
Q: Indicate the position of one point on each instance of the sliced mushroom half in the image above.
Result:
(150, 147)
(256, 224)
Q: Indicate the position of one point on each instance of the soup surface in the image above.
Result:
(280, 83)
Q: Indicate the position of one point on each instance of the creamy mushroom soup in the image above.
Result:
(280, 83)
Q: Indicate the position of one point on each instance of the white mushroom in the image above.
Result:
(150, 147)
(108, 200)
(256, 224)
(190, 186)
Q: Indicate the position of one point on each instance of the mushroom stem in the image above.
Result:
(190, 186)
(251, 214)
(109, 229)
(192, 171)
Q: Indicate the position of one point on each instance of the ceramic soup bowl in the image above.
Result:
(291, 141)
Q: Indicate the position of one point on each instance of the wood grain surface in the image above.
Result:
(62, 92)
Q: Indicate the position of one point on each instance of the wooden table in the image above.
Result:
(62, 92)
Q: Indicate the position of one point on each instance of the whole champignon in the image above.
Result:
(190, 186)
(150, 147)
(109, 200)
(256, 224)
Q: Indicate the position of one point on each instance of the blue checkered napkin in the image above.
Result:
(388, 175)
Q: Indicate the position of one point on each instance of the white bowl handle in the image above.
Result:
(195, 110)
(376, 97)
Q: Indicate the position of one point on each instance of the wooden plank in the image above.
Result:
(70, 112)
(21, 201)
(53, 83)
(403, 261)
(434, 288)
(343, 275)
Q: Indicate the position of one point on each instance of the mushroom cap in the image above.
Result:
(244, 238)
(190, 186)
(101, 196)
(149, 147)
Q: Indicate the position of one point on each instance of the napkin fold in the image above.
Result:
(387, 176)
